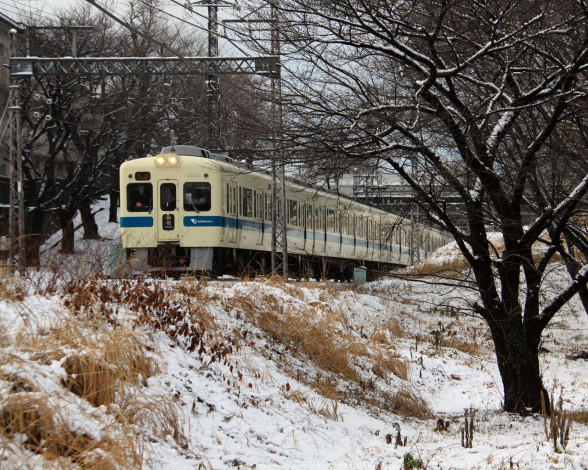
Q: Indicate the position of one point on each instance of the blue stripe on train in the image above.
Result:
(136, 222)
(219, 221)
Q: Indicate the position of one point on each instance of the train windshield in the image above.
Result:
(197, 197)
(139, 197)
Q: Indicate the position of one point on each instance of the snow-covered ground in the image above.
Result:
(287, 375)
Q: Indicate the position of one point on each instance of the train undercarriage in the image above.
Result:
(173, 261)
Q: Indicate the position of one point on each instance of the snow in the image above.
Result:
(260, 407)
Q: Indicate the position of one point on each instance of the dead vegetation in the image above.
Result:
(321, 333)
(92, 358)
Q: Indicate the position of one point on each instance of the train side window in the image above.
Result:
(197, 197)
(234, 200)
(346, 225)
(228, 198)
(139, 197)
(247, 202)
(259, 212)
(268, 207)
(292, 209)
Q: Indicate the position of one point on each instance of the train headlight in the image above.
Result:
(160, 160)
(173, 159)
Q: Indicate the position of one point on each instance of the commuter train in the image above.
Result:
(187, 209)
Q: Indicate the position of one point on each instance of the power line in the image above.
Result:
(201, 27)
(26, 8)
(131, 28)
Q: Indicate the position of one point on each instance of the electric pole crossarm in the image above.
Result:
(23, 67)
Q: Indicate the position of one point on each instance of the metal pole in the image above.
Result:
(278, 165)
(212, 80)
(16, 201)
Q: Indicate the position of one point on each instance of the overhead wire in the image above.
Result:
(202, 27)
(23, 8)
(122, 22)
(13, 12)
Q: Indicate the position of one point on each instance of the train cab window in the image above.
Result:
(139, 197)
(167, 197)
(197, 197)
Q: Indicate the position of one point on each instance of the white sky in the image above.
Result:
(45, 10)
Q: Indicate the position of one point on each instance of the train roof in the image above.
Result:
(222, 156)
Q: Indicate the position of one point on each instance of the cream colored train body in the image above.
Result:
(185, 210)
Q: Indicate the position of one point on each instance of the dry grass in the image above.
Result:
(157, 415)
(385, 363)
(105, 364)
(305, 331)
(327, 406)
(11, 289)
(407, 402)
(453, 269)
(321, 334)
(578, 416)
(47, 434)
(468, 346)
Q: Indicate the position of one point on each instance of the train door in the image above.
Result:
(167, 215)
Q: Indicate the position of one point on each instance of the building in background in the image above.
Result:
(6, 24)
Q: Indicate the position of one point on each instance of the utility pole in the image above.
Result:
(16, 225)
(67, 26)
(16, 210)
(279, 242)
(212, 78)
(279, 222)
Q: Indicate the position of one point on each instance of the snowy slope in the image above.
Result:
(271, 401)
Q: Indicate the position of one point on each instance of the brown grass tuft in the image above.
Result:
(302, 330)
(90, 378)
(158, 415)
(579, 416)
(408, 403)
(105, 363)
(386, 363)
(468, 346)
(11, 290)
(453, 269)
(322, 335)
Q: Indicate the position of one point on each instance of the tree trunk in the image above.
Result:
(35, 238)
(112, 213)
(67, 229)
(517, 354)
(89, 223)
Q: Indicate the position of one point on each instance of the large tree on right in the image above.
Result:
(485, 101)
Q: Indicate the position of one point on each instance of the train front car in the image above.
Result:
(170, 206)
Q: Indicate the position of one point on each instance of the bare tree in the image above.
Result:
(478, 96)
